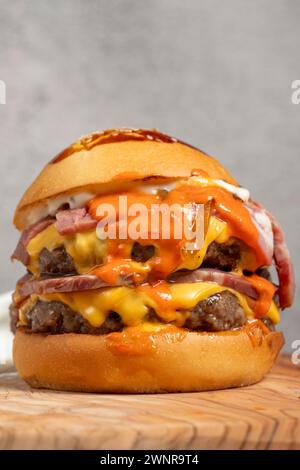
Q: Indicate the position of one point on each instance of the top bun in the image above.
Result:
(114, 156)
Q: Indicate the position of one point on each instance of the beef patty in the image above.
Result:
(219, 256)
(59, 263)
(224, 257)
(56, 317)
(219, 312)
(142, 253)
(56, 263)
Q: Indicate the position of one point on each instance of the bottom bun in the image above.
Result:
(135, 361)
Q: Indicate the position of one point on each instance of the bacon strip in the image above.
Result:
(28, 285)
(263, 224)
(284, 266)
(62, 284)
(233, 281)
(20, 252)
(73, 221)
(67, 222)
(283, 261)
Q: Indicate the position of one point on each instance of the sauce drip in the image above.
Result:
(135, 342)
(266, 291)
(161, 294)
(256, 330)
(117, 268)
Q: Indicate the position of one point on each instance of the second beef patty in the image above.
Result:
(219, 312)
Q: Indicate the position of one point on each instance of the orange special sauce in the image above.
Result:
(118, 262)
(134, 342)
(256, 330)
(230, 210)
(168, 257)
(266, 291)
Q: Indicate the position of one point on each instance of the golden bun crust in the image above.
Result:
(171, 360)
(115, 156)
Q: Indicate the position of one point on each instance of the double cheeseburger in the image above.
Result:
(145, 315)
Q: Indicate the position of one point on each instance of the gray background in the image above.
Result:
(215, 73)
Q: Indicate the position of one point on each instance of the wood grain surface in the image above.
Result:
(262, 416)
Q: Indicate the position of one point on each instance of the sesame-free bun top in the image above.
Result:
(108, 158)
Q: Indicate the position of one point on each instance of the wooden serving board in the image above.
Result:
(262, 416)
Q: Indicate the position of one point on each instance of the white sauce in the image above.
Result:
(153, 188)
(264, 226)
(51, 207)
(241, 193)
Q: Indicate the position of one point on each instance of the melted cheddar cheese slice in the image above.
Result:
(217, 232)
(85, 248)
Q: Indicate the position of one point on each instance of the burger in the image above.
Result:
(102, 309)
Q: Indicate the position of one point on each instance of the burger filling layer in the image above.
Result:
(81, 283)
(196, 307)
(219, 312)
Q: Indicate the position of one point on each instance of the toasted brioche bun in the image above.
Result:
(98, 160)
(171, 360)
